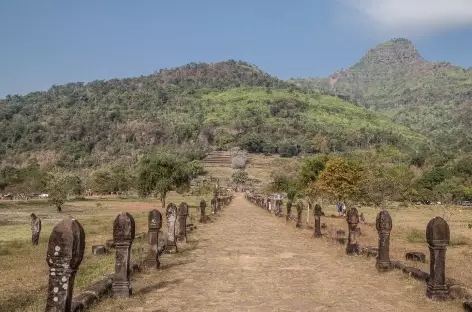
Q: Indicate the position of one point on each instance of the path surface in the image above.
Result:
(249, 260)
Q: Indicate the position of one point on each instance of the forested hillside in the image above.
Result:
(434, 98)
(196, 107)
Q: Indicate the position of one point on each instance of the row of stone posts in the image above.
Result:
(67, 245)
(437, 236)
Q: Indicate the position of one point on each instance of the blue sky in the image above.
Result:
(55, 42)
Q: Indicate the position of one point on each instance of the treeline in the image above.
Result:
(156, 174)
(376, 176)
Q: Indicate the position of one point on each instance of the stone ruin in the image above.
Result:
(171, 217)
(289, 210)
(214, 206)
(317, 212)
(183, 213)
(154, 225)
(203, 217)
(438, 238)
(123, 235)
(65, 253)
(352, 221)
(299, 214)
(384, 226)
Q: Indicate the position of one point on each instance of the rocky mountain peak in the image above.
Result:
(398, 51)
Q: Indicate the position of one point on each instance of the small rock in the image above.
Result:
(415, 256)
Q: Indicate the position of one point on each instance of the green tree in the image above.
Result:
(58, 187)
(239, 176)
(340, 179)
(162, 173)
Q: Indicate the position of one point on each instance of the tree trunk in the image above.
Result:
(58, 208)
(163, 201)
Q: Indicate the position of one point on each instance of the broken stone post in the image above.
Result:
(154, 225)
(289, 210)
(438, 237)
(352, 221)
(35, 229)
(171, 216)
(299, 214)
(123, 235)
(65, 252)
(183, 213)
(384, 226)
(213, 205)
(203, 217)
(317, 213)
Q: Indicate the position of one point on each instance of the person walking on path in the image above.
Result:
(340, 209)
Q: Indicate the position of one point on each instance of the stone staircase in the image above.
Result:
(218, 159)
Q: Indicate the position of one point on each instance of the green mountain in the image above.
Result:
(195, 107)
(434, 98)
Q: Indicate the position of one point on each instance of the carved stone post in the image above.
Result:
(65, 252)
(384, 226)
(289, 210)
(203, 216)
(171, 216)
(299, 214)
(123, 235)
(438, 237)
(352, 221)
(154, 225)
(317, 213)
(213, 205)
(183, 213)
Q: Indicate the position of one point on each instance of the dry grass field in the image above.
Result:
(409, 234)
(24, 270)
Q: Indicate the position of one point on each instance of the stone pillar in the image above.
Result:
(289, 210)
(438, 237)
(352, 221)
(123, 235)
(317, 213)
(299, 214)
(279, 204)
(171, 216)
(213, 205)
(384, 226)
(65, 252)
(154, 225)
(203, 216)
(183, 213)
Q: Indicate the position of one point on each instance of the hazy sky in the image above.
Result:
(55, 42)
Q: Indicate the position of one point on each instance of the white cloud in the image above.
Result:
(415, 16)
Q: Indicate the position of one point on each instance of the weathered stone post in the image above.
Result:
(171, 216)
(438, 237)
(213, 205)
(352, 221)
(65, 252)
(384, 226)
(123, 235)
(154, 225)
(317, 213)
(183, 213)
(299, 214)
(35, 229)
(203, 217)
(289, 210)
(278, 204)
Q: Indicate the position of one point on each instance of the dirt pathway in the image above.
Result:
(248, 260)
